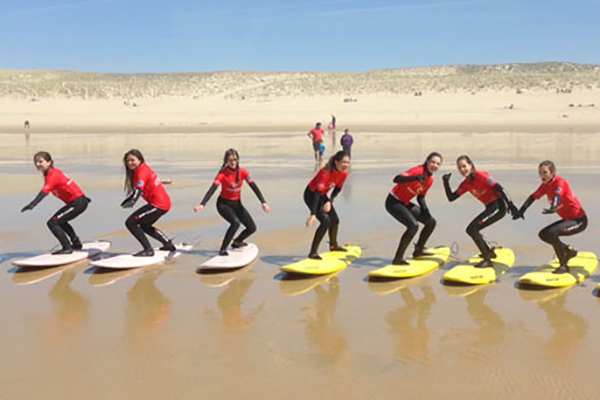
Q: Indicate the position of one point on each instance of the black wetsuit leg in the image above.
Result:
(348, 150)
(59, 223)
(235, 213)
(494, 211)
(552, 232)
(141, 221)
(327, 221)
(409, 216)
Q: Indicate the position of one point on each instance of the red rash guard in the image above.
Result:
(152, 188)
(325, 180)
(481, 187)
(405, 192)
(569, 207)
(317, 134)
(61, 186)
(232, 185)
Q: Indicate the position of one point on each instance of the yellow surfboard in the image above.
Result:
(416, 267)
(468, 273)
(581, 267)
(333, 261)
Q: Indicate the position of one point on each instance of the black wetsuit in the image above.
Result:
(236, 214)
(410, 215)
(329, 222)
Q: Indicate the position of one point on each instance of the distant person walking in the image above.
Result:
(347, 141)
(316, 134)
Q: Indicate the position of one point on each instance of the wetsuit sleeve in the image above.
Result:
(449, 193)
(524, 207)
(40, 196)
(503, 193)
(554, 205)
(132, 198)
(405, 179)
(422, 204)
(336, 191)
(257, 192)
(208, 195)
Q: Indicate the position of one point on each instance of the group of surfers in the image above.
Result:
(319, 196)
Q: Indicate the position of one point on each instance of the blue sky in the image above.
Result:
(300, 35)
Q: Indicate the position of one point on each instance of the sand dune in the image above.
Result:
(231, 84)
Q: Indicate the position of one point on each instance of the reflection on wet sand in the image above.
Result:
(106, 276)
(491, 326)
(28, 276)
(408, 324)
(71, 308)
(295, 284)
(570, 329)
(322, 329)
(147, 308)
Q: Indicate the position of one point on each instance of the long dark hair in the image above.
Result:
(129, 184)
(466, 158)
(339, 156)
(229, 153)
(46, 156)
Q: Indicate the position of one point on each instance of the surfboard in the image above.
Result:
(237, 258)
(48, 260)
(581, 266)
(126, 261)
(468, 273)
(416, 267)
(333, 261)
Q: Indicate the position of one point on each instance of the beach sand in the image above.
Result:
(168, 332)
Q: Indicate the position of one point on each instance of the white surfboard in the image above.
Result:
(126, 261)
(237, 258)
(48, 260)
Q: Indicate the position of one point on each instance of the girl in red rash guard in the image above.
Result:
(229, 205)
(66, 190)
(321, 207)
(140, 180)
(485, 189)
(414, 182)
(565, 204)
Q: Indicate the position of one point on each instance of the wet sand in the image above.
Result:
(168, 332)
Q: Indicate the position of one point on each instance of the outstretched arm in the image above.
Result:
(40, 196)
(208, 195)
(449, 193)
(524, 207)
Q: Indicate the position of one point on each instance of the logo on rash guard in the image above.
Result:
(139, 183)
(417, 192)
(491, 180)
(478, 193)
